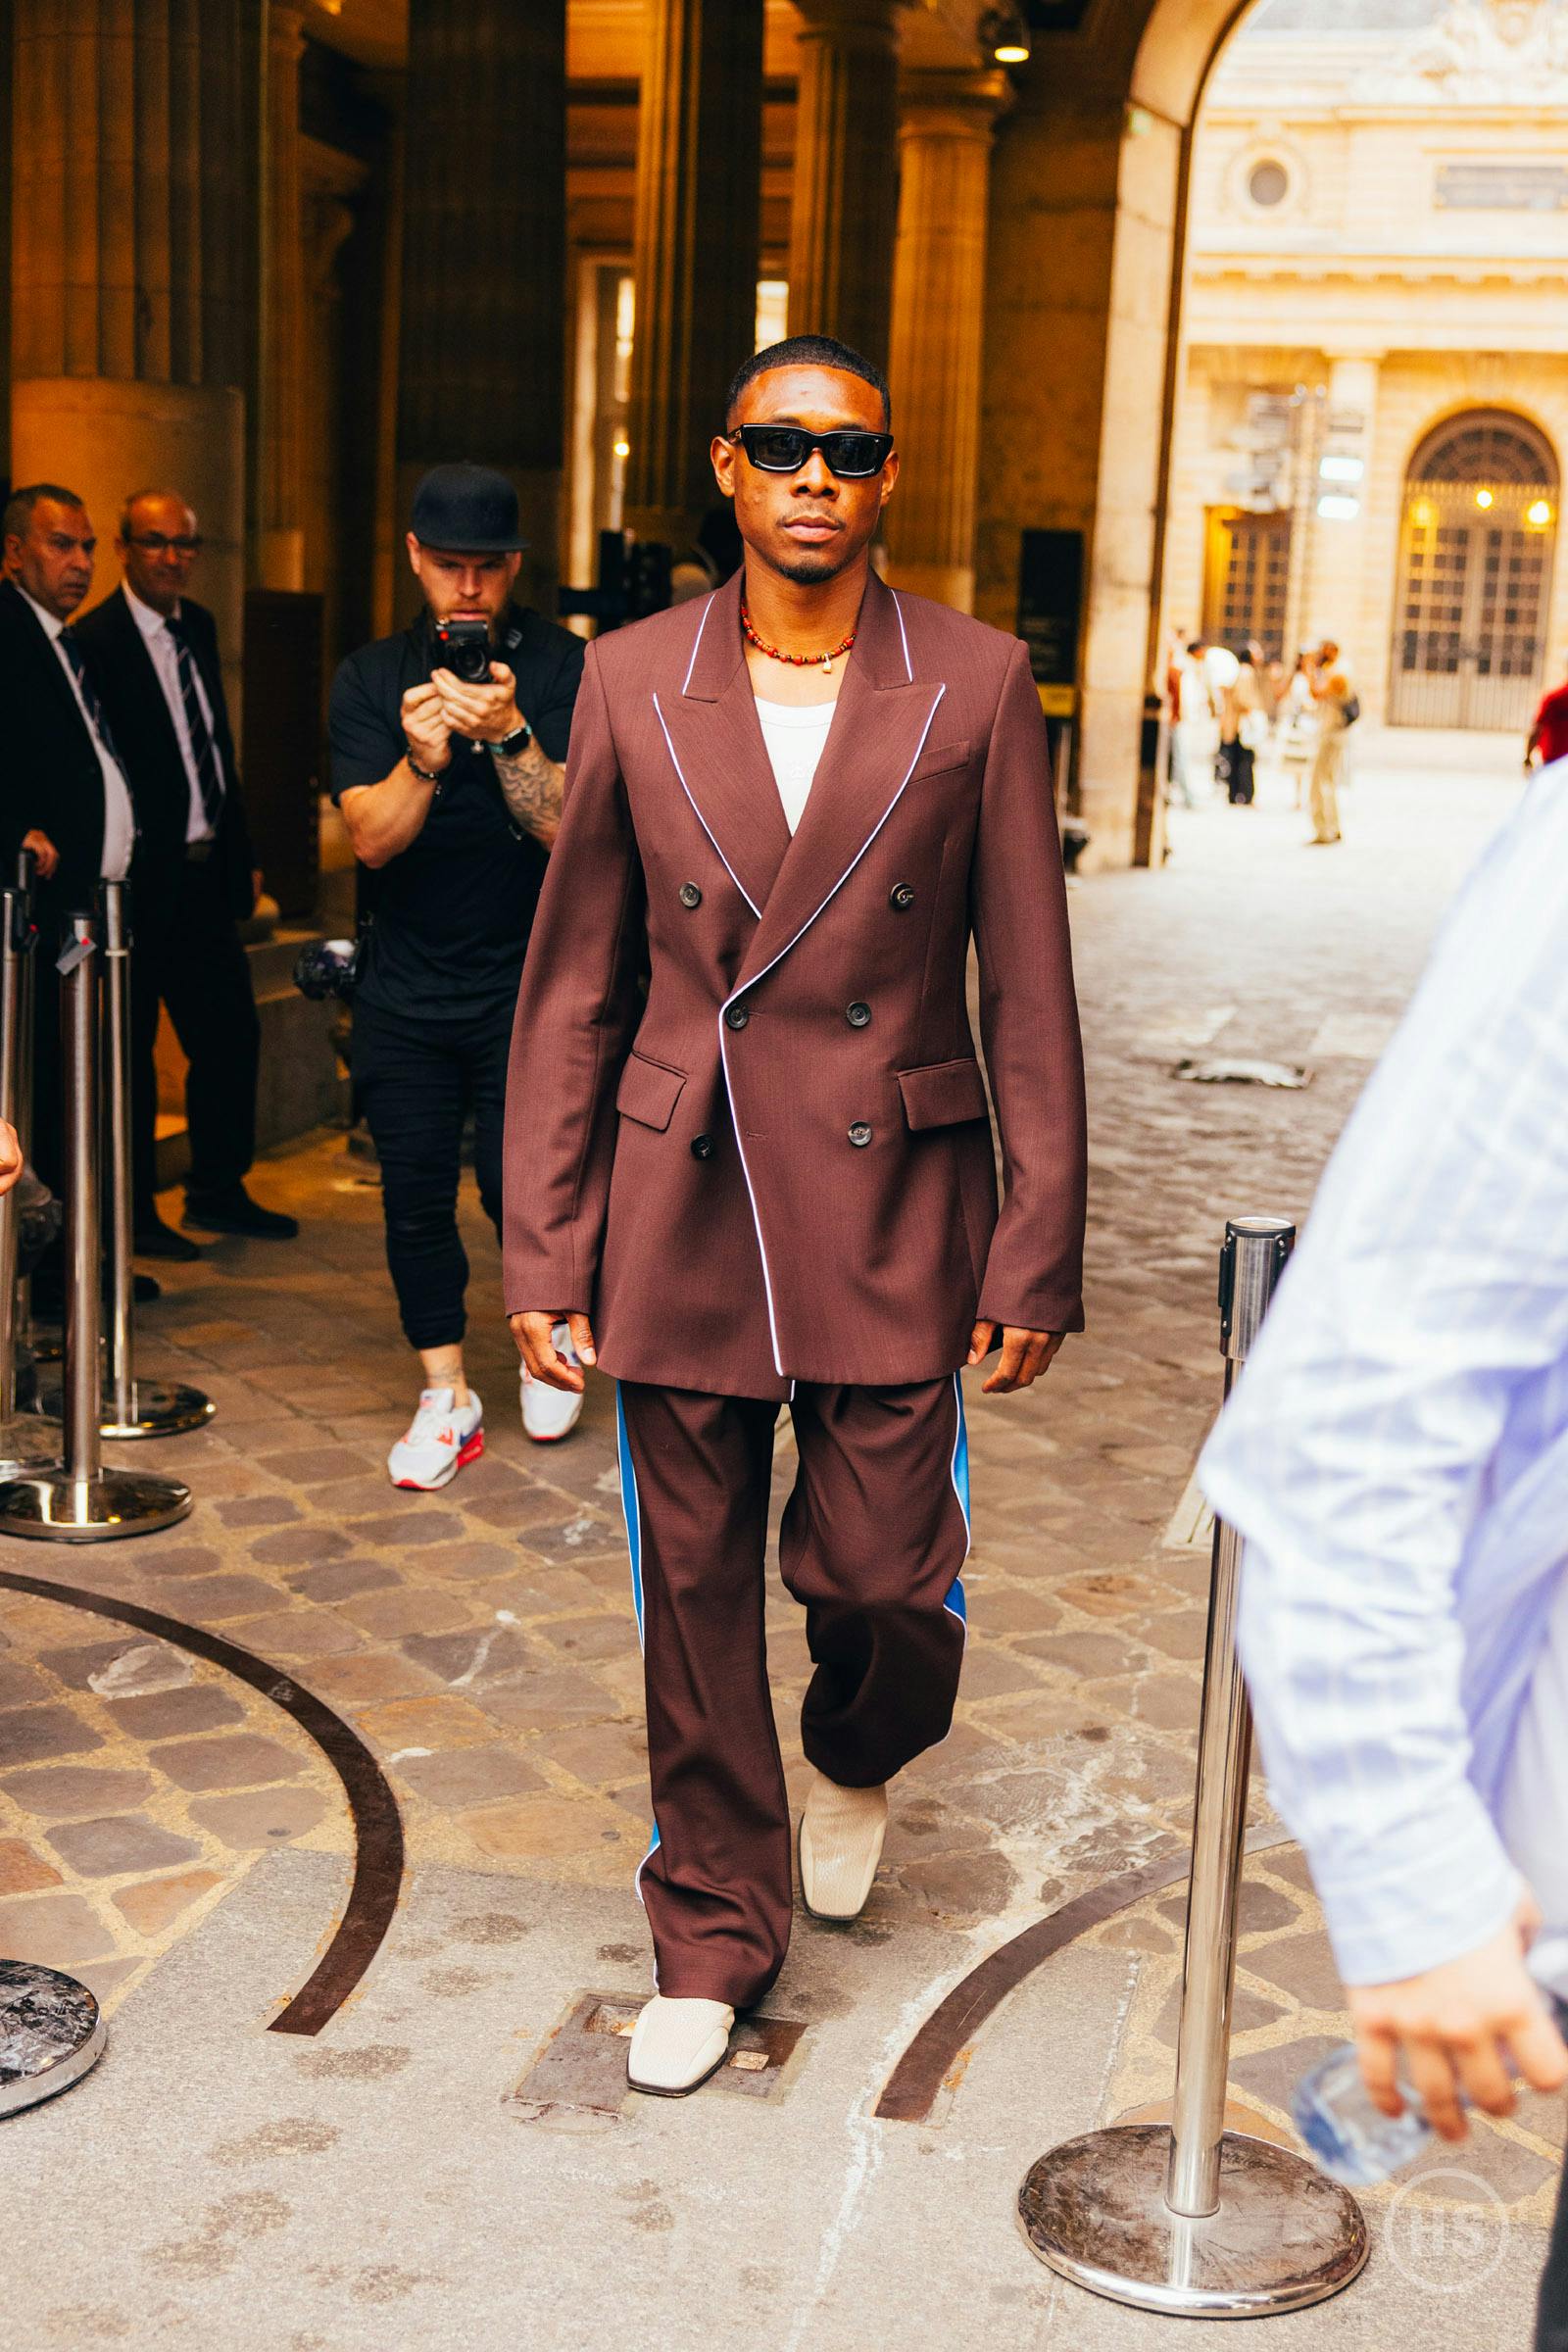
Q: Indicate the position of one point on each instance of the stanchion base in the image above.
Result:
(93, 1510)
(51, 2031)
(159, 1409)
(1285, 2234)
(28, 1443)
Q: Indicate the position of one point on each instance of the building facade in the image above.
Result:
(1374, 413)
(287, 253)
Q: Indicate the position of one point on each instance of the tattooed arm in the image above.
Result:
(530, 780)
(530, 784)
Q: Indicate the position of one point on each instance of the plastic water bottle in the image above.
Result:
(1356, 2143)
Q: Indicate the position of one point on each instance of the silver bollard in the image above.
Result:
(43, 1351)
(77, 1500)
(1190, 2219)
(132, 1407)
(25, 1438)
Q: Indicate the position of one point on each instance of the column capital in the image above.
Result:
(953, 104)
(850, 20)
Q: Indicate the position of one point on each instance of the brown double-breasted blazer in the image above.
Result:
(779, 1166)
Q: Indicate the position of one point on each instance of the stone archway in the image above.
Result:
(1476, 548)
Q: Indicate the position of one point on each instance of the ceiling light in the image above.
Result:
(1540, 514)
(1483, 499)
(1004, 31)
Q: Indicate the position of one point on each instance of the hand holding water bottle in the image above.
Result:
(1462, 2034)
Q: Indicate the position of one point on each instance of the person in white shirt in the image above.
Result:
(63, 795)
(1395, 1457)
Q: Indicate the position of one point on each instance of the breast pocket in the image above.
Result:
(649, 1092)
(939, 759)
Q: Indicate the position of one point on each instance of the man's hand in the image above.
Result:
(531, 1330)
(43, 849)
(426, 727)
(10, 1156)
(1458, 2026)
(1025, 1355)
(484, 713)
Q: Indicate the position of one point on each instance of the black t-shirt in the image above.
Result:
(453, 911)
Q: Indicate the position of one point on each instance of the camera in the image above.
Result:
(329, 968)
(463, 646)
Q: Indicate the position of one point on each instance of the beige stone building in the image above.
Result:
(1374, 412)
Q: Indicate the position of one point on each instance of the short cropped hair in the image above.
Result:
(810, 351)
(20, 504)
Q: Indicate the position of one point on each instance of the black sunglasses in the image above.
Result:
(155, 543)
(785, 447)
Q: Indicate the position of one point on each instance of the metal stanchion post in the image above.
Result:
(1194, 2219)
(77, 1500)
(25, 1438)
(133, 1408)
(42, 1351)
(51, 2031)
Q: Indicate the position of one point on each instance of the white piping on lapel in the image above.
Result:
(697, 641)
(723, 1054)
(703, 821)
(899, 609)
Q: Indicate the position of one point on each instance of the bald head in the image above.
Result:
(157, 544)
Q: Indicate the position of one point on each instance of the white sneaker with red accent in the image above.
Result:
(550, 1414)
(438, 1440)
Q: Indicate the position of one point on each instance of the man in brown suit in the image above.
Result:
(773, 1181)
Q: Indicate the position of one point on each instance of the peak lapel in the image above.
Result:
(711, 724)
(879, 726)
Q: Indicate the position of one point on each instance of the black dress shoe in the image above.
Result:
(154, 1239)
(234, 1211)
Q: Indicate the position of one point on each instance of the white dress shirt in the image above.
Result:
(166, 660)
(1395, 1453)
(119, 823)
(795, 734)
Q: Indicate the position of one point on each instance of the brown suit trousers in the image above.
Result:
(873, 1539)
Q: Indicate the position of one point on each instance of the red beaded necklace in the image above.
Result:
(796, 661)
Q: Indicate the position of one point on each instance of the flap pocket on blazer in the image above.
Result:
(944, 1094)
(649, 1092)
(939, 759)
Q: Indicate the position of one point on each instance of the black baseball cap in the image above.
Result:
(468, 510)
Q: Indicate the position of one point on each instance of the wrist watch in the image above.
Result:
(518, 741)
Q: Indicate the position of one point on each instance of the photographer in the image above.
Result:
(447, 743)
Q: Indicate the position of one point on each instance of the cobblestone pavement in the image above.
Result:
(482, 1640)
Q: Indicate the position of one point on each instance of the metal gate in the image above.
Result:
(1480, 519)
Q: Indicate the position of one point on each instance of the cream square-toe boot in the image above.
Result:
(677, 2045)
(841, 1844)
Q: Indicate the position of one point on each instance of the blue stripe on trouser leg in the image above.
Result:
(956, 1604)
(631, 1511)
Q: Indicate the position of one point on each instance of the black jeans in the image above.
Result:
(416, 1082)
(1551, 2313)
(188, 955)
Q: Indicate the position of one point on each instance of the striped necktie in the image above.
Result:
(204, 752)
(89, 696)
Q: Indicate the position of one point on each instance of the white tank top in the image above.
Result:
(794, 735)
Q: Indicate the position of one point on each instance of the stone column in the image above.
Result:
(482, 330)
(698, 234)
(938, 326)
(130, 283)
(1349, 595)
(281, 458)
(845, 207)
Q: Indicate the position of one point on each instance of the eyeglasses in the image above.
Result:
(785, 447)
(155, 543)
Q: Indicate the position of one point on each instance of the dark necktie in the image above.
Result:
(89, 696)
(203, 750)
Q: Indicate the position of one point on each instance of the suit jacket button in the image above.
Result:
(736, 1017)
(858, 1017)
(901, 898)
(690, 894)
(860, 1135)
(703, 1147)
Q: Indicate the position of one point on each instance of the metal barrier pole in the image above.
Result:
(77, 1500)
(25, 1438)
(1190, 2218)
(27, 876)
(132, 1407)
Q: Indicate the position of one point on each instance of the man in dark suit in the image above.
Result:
(772, 1179)
(154, 656)
(63, 791)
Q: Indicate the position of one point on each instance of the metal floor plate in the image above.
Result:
(580, 2072)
